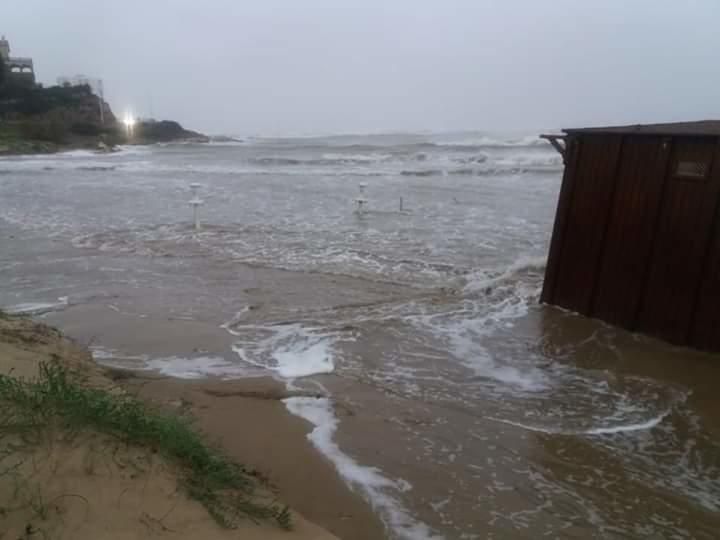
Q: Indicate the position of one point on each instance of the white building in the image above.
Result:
(21, 67)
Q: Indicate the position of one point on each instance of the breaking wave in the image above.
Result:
(471, 171)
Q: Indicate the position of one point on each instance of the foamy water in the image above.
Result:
(371, 481)
(495, 415)
(290, 350)
(37, 308)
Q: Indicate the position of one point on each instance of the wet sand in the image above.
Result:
(248, 419)
(86, 485)
(457, 404)
(468, 470)
(271, 439)
(522, 481)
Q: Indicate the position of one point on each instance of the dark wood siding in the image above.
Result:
(705, 333)
(561, 214)
(681, 243)
(636, 240)
(584, 229)
(631, 230)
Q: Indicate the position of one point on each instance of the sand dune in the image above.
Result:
(82, 484)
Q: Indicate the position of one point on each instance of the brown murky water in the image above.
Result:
(458, 405)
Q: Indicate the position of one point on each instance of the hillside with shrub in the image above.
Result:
(36, 119)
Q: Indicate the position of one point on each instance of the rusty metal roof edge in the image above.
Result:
(702, 128)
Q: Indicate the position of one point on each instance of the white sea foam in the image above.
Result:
(241, 169)
(71, 154)
(237, 318)
(505, 298)
(290, 350)
(180, 367)
(482, 279)
(368, 158)
(497, 142)
(38, 308)
(464, 336)
(101, 353)
(530, 160)
(131, 150)
(79, 160)
(370, 480)
(197, 367)
(311, 359)
(49, 164)
(642, 426)
(226, 143)
(604, 430)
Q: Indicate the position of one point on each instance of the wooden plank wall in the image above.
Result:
(572, 153)
(705, 333)
(631, 229)
(636, 244)
(681, 244)
(584, 228)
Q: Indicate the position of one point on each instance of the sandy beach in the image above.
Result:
(393, 374)
(355, 271)
(90, 486)
(275, 443)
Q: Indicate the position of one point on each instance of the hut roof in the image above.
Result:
(701, 128)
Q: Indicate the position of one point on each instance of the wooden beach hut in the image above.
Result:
(636, 240)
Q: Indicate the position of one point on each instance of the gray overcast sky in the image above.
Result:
(319, 66)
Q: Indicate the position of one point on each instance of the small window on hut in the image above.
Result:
(691, 170)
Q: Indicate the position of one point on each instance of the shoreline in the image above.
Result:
(31, 148)
(278, 447)
(40, 148)
(137, 329)
(482, 412)
(246, 418)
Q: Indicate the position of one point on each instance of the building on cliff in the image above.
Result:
(95, 85)
(21, 69)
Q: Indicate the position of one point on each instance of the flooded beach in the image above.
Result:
(452, 401)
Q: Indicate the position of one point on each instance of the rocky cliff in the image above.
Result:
(37, 119)
(164, 131)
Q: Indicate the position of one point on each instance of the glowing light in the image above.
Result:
(129, 120)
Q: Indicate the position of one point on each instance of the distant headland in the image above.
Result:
(73, 114)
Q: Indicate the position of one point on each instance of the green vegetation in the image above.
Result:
(12, 137)
(59, 115)
(36, 100)
(55, 114)
(49, 128)
(57, 399)
(36, 119)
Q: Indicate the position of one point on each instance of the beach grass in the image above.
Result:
(58, 399)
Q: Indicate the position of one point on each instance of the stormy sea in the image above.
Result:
(399, 276)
